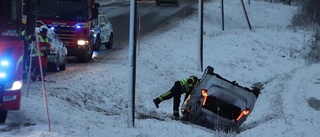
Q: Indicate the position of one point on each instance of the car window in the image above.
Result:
(54, 39)
(106, 20)
(58, 40)
(100, 20)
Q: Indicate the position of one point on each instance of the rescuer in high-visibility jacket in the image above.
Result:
(43, 52)
(180, 87)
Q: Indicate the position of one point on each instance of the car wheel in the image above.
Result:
(52, 67)
(63, 66)
(3, 116)
(109, 44)
(256, 91)
(176, 4)
(88, 55)
(97, 44)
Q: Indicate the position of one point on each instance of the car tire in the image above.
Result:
(109, 44)
(52, 67)
(63, 66)
(97, 44)
(256, 91)
(177, 4)
(3, 116)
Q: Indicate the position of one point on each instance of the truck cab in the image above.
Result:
(11, 56)
(72, 21)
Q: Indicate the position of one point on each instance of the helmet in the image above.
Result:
(43, 29)
(194, 79)
(24, 21)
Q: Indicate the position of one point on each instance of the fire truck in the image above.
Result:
(72, 21)
(11, 51)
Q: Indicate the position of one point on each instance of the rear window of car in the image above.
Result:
(222, 108)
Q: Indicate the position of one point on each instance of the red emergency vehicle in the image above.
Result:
(11, 50)
(72, 21)
(11, 54)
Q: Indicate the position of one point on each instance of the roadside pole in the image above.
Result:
(200, 16)
(132, 63)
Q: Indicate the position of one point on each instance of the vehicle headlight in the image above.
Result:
(16, 85)
(94, 35)
(81, 42)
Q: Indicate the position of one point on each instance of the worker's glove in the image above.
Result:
(46, 52)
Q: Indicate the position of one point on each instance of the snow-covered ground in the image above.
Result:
(91, 101)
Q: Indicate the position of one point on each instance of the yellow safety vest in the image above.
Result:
(36, 51)
(184, 83)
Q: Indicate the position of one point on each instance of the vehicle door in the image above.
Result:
(59, 48)
(104, 29)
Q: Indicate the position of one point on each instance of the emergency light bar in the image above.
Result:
(4, 68)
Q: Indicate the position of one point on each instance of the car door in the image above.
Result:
(104, 29)
(61, 50)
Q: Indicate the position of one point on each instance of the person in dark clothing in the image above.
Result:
(27, 40)
(180, 87)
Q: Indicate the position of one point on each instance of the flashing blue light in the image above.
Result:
(94, 35)
(2, 75)
(78, 27)
(4, 63)
(52, 28)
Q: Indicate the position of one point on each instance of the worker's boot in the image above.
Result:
(157, 102)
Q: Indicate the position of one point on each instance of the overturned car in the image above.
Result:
(218, 103)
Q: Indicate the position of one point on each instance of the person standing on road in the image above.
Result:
(45, 49)
(180, 87)
(26, 49)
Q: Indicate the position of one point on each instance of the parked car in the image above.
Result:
(103, 32)
(174, 2)
(57, 58)
(218, 103)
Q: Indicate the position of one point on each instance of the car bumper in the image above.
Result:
(11, 100)
(77, 51)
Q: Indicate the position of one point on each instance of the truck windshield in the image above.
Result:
(9, 21)
(72, 10)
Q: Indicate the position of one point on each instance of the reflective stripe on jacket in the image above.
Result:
(43, 45)
(185, 86)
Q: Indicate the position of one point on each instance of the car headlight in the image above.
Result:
(82, 42)
(16, 85)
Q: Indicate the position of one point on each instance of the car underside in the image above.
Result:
(218, 103)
